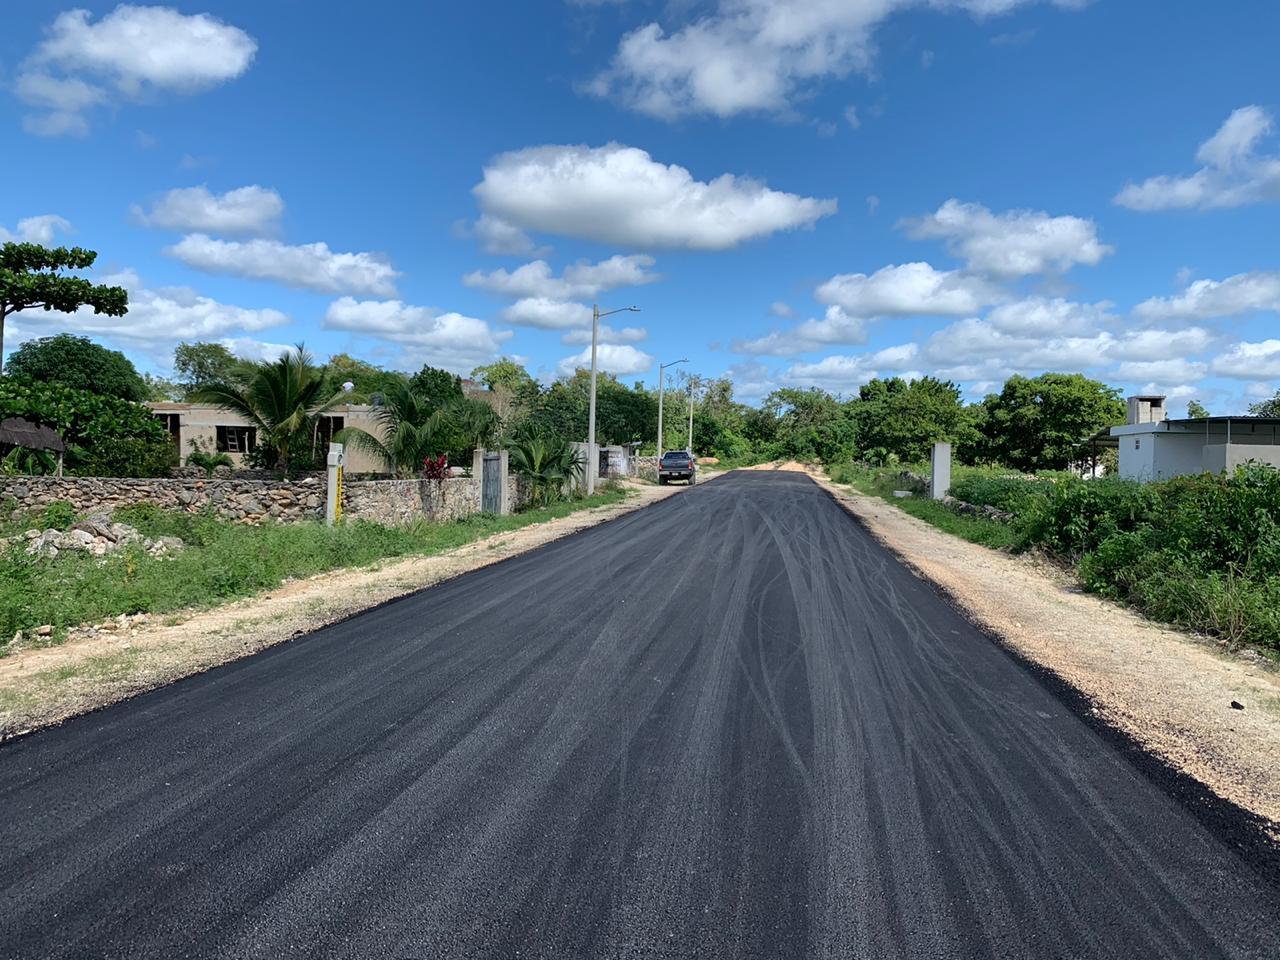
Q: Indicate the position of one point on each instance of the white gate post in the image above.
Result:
(333, 499)
(940, 470)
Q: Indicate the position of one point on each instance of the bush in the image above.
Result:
(58, 515)
(1077, 515)
(1007, 493)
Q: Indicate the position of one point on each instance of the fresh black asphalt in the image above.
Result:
(727, 725)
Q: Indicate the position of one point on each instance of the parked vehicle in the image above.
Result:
(677, 465)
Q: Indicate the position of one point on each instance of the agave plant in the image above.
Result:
(282, 398)
(547, 465)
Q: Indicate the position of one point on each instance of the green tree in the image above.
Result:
(810, 425)
(197, 364)
(904, 419)
(80, 363)
(283, 399)
(1266, 408)
(438, 386)
(31, 276)
(1197, 410)
(412, 429)
(367, 380)
(503, 372)
(1034, 423)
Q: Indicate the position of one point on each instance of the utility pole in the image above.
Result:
(593, 458)
(690, 448)
(661, 386)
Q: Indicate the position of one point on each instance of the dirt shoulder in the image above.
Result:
(1168, 691)
(44, 686)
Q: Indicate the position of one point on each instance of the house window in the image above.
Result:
(326, 427)
(173, 423)
(237, 439)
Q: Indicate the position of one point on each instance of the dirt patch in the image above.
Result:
(1168, 691)
(43, 686)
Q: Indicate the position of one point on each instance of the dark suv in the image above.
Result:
(677, 465)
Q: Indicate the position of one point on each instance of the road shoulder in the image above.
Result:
(44, 686)
(1168, 692)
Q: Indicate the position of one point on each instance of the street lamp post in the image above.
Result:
(593, 458)
(661, 384)
(690, 449)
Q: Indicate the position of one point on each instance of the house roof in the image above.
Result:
(33, 436)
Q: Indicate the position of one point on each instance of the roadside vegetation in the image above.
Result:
(1201, 552)
(221, 561)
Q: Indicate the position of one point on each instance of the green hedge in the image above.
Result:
(105, 436)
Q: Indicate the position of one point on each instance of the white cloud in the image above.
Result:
(1250, 361)
(130, 53)
(851, 117)
(536, 279)
(312, 266)
(782, 309)
(1206, 299)
(619, 359)
(1174, 370)
(42, 230)
(752, 380)
(755, 55)
(449, 340)
(1039, 315)
(1232, 174)
(608, 334)
(501, 238)
(246, 210)
(1013, 244)
(161, 315)
(620, 195)
(548, 314)
(837, 327)
(906, 289)
(847, 373)
(251, 349)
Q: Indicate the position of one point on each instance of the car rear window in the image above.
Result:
(675, 458)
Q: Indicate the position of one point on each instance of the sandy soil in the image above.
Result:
(1169, 691)
(43, 686)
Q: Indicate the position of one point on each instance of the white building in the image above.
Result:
(1152, 447)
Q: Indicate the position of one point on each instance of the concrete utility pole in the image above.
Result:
(593, 458)
(690, 448)
(661, 386)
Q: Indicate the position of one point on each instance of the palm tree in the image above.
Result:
(283, 399)
(547, 465)
(413, 428)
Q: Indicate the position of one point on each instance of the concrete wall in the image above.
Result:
(1161, 455)
(1221, 457)
(246, 501)
(1138, 456)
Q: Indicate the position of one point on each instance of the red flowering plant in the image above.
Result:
(435, 468)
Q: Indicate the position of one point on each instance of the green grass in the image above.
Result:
(222, 561)
(881, 482)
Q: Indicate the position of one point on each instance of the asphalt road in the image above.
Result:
(728, 725)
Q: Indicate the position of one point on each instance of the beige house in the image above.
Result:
(222, 431)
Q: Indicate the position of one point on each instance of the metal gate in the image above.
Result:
(491, 483)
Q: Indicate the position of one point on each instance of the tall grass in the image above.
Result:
(221, 561)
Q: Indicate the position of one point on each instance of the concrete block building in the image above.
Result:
(222, 431)
(1153, 447)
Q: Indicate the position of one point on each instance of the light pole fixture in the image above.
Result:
(661, 378)
(593, 458)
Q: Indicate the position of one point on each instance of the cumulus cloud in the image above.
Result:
(755, 55)
(246, 210)
(547, 314)
(608, 334)
(130, 54)
(501, 238)
(1233, 171)
(536, 279)
(311, 266)
(906, 289)
(1250, 361)
(1017, 243)
(1206, 299)
(251, 349)
(448, 340)
(162, 315)
(620, 359)
(836, 327)
(42, 230)
(1040, 315)
(845, 373)
(620, 195)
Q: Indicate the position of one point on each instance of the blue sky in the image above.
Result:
(793, 192)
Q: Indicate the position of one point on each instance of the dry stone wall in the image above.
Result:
(246, 501)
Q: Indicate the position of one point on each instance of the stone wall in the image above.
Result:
(400, 502)
(247, 501)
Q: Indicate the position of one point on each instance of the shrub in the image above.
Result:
(58, 515)
(200, 456)
(1077, 515)
(1007, 493)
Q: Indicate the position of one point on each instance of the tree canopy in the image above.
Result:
(80, 363)
(200, 363)
(1034, 423)
(1266, 408)
(436, 385)
(31, 276)
(1197, 410)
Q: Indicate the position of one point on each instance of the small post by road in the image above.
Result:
(333, 500)
(939, 470)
